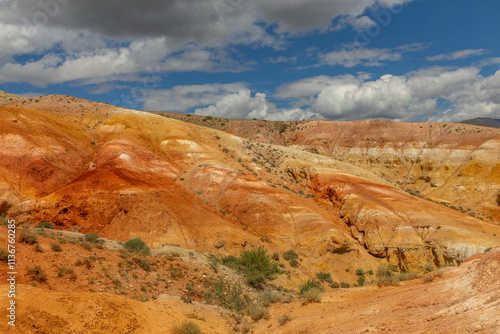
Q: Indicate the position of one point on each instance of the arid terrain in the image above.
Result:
(348, 198)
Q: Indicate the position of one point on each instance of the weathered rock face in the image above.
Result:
(450, 161)
(407, 230)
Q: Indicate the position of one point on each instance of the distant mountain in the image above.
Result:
(483, 121)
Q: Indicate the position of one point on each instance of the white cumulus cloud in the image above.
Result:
(415, 96)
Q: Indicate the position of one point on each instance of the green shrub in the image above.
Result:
(187, 327)
(230, 261)
(334, 285)
(310, 284)
(45, 225)
(290, 254)
(38, 248)
(324, 277)
(93, 237)
(37, 273)
(227, 295)
(137, 246)
(345, 285)
(360, 272)
(28, 237)
(361, 280)
(275, 256)
(257, 266)
(294, 263)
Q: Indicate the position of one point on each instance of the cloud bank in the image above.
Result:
(431, 94)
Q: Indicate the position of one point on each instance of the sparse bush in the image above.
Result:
(227, 295)
(275, 256)
(269, 297)
(385, 275)
(144, 264)
(428, 267)
(310, 284)
(190, 289)
(55, 247)
(214, 263)
(312, 296)
(407, 276)
(28, 237)
(4, 255)
(193, 315)
(429, 277)
(282, 128)
(66, 271)
(86, 245)
(37, 273)
(284, 319)
(38, 248)
(137, 246)
(87, 262)
(3, 220)
(187, 327)
(92, 237)
(345, 285)
(257, 312)
(45, 225)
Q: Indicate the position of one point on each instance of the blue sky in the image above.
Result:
(404, 60)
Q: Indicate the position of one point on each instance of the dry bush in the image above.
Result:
(431, 276)
(187, 327)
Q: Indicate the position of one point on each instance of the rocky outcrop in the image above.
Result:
(406, 230)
